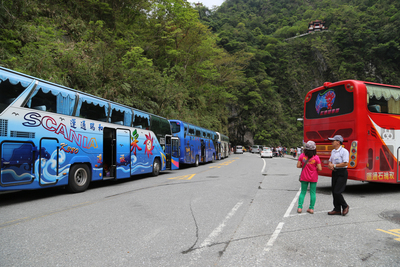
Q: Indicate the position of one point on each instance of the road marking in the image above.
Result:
(263, 169)
(287, 214)
(210, 239)
(278, 229)
(222, 164)
(315, 212)
(184, 177)
(274, 236)
(395, 232)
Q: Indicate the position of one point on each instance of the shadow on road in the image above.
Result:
(364, 189)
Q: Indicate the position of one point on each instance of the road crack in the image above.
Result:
(197, 232)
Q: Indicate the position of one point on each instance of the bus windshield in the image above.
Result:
(329, 102)
(175, 127)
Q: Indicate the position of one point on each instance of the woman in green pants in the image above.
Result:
(309, 174)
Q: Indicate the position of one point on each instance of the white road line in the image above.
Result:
(265, 165)
(287, 214)
(274, 237)
(278, 229)
(210, 239)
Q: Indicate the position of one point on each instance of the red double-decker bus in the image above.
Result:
(367, 115)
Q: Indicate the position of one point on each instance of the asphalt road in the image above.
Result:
(240, 211)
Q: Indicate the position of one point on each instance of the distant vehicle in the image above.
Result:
(256, 149)
(266, 153)
(239, 150)
(196, 144)
(223, 146)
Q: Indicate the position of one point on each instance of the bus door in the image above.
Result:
(168, 151)
(203, 151)
(123, 154)
(193, 153)
(17, 163)
(49, 156)
(217, 151)
(188, 153)
(172, 152)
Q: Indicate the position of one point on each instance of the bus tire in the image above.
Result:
(156, 167)
(78, 178)
(196, 163)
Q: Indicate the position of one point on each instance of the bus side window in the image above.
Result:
(43, 101)
(41, 107)
(121, 115)
(9, 92)
(117, 117)
(141, 120)
(375, 105)
(53, 99)
(92, 109)
(394, 106)
(374, 108)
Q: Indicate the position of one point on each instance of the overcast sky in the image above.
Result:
(208, 3)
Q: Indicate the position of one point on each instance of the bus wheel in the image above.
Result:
(78, 180)
(156, 167)
(196, 163)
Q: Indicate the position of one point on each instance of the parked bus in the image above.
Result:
(51, 135)
(223, 146)
(367, 115)
(196, 144)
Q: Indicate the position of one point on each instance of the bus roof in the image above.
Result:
(75, 90)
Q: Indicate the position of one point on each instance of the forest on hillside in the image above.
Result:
(235, 69)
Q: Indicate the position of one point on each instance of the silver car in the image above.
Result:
(255, 149)
(238, 150)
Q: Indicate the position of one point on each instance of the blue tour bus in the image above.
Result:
(196, 144)
(51, 135)
(223, 146)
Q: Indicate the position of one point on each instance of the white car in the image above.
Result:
(238, 150)
(266, 152)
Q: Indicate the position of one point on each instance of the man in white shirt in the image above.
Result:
(338, 164)
(299, 151)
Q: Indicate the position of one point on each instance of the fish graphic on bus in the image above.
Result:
(325, 100)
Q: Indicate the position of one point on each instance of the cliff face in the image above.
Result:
(362, 42)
